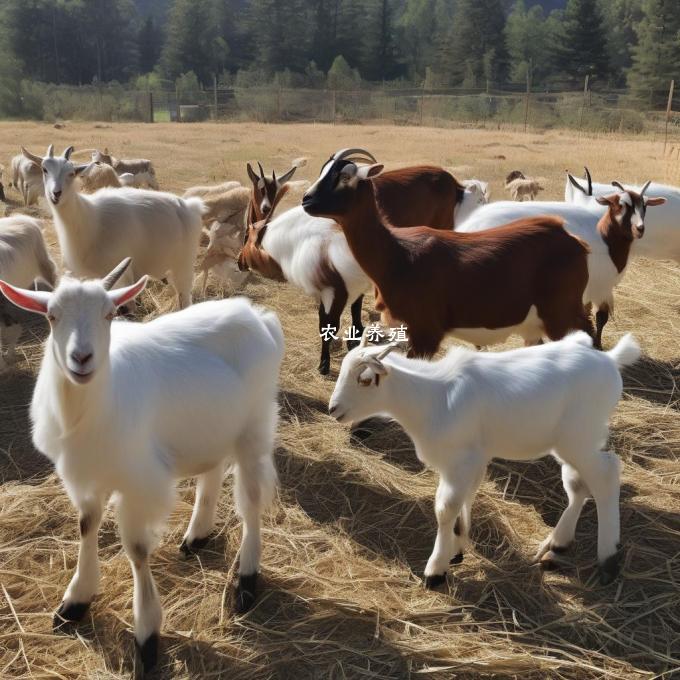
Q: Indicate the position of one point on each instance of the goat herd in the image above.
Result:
(127, 408)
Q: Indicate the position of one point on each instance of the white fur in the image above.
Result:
(476, 194)
(142, 168)
(160, 231)
(470, 407)
(662, 223)
(523, 187)
(183, 395)
(209, 189)
(23, 258)
(97, 176)
(27, 179)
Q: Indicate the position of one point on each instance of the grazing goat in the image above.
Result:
(160, 230)
(470, 407)
(27, 178)
(662, 226)
(611, 237)
(142, 168)
(23, 258)
(526, 278)
(523, 188)
(205, 190)
(313, 253)
(99, 175)
(127, 408)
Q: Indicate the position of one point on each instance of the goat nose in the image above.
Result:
(332, 408)
(81, 358)
(56, 194)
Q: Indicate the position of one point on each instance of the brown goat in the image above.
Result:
(527, 277)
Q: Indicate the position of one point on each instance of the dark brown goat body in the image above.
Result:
(438, 281)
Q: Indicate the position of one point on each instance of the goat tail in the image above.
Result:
(626, 352)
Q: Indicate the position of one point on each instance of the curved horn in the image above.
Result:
(67, 152)
(644, 188)
(364, 338)
(259, 165)
(346, 153)
(50, 151)
(576, 184)
(590, 181)
(112, 277)
(618, 185)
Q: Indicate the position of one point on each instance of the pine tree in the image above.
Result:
(528, 45)
(621, 18)
(656, 57)
(582, 48)
(379, 60)
(149, 43)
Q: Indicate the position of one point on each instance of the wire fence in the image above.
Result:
(584, 111)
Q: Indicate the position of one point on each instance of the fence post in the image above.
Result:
(583, 105)
(151, 116)
(422, 103)
(333, 107)
(669, 108)
(215, 96)
(526, 101)
(179, 110)
(278, 104)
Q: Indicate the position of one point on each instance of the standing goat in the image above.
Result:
(126, 408)
(159, 230)
(526, 278)
(313, 254)
(141, 168)
(611, 237)
(23, 259)
(470, 407)
(662, 227)
(27, 177)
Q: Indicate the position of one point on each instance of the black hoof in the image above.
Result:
(69, 614)
(194, 546)
(245, 593)
(609, 569)
(325, 366)
(148, 652)
(457, 559)
(432, 582)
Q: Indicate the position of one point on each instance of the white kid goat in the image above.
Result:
(127, 408)
(470, 407)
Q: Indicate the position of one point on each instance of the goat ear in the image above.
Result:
(30, 300)
(80, 169)
(368, 171)
(122, 295)
(67, 152)
(603, 200)
(284, 178)
(657, 200)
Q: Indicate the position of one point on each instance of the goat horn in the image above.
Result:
(259, 165)
(67, 152)
(346, 153)
(618, 185)
(112, 277)
(590, 181)
(389, 348)
(644, 188)
(364, 338)
(576, 184)
(50, 151)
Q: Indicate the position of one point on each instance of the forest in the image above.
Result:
(631, 45)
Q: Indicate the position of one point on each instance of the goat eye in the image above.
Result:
(51, 318)
(44, 171)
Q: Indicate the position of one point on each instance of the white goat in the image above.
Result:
(127, 408)
(470, 407)
(612, 235)
(27, 178)
(475, 195)
(141, 168)
(160, 230)
(23, 258)
(522, 188)
(100, 175)
(662, 235)
(204, 190)
(228, 207)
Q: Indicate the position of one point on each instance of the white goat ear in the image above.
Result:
(122, 295)
(366, 377)
(368, 171)
(30, 300)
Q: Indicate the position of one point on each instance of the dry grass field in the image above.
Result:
(348, 538)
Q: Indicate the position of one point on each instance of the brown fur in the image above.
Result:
(617, 235)
(435, 281)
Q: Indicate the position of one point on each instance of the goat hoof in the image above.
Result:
(325, 366)
(609, 569)
(245, 593)
(432, 582)
(193, 546)
(68, 614)
(456, 559)
(148, 652)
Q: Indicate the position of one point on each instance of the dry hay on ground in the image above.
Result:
(346, 543)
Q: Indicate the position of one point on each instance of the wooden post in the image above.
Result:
(215, 96)
(151, 117)
(526, 99)
(333, 102)
(583, 105)
(179, 112)
(422, 103)
(278, 104)
(669, 108)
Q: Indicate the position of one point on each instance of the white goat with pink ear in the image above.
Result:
(470, 407)
(126, 408)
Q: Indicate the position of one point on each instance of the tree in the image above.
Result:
(149, 45)
(656, 57)
(380, 58)
(582, 45)
(621, 18)
(527, 38)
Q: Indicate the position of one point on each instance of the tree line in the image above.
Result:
(631, 44)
